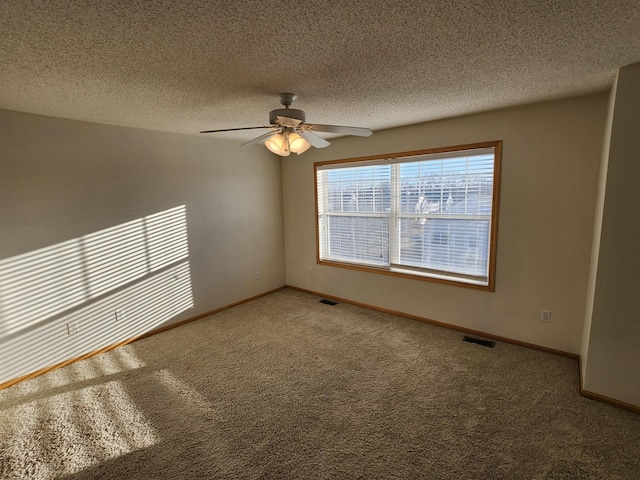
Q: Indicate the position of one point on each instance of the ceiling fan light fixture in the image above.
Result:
(278, 144)
(289, 131)
(297, 144)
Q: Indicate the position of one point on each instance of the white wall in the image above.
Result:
(612, 357)
(550, 165)
(95, 218)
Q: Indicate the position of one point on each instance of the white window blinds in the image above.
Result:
(428, 215)
(355, 214)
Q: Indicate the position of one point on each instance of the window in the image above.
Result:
(431, 214)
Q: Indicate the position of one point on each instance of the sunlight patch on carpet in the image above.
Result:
(74, 430)
(190, 396)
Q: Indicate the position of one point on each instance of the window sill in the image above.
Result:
(415, 275)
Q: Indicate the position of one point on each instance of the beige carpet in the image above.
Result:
(287, 387)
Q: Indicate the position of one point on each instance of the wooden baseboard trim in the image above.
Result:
(441, 324)
(42, 371)
(610, 401)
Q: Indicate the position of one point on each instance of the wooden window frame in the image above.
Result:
(447, 279)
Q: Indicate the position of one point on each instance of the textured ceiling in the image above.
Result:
(184, 66)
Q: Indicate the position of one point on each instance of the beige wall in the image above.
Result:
(612, 352)
(96, 218)
(551, 160)
(597, 230)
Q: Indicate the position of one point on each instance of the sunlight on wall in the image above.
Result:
(40, 284)
(139, 268)
(37, 285)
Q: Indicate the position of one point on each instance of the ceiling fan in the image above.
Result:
(289, 131)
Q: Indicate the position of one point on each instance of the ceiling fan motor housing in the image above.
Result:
(286, 112)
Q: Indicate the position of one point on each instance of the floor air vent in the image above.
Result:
(328, 302)
(479, 341)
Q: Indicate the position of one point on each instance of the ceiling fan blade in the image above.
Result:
(357, 131)
(234, 129)
(313, 139)
(261, 138)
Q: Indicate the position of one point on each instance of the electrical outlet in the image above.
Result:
(311, 272)
(72, 328)
(120, 315)
(257, 275)
(545, 316)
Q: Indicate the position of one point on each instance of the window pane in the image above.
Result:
(452, 246)
(447, 186)
(358, 239)
(359, 189)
